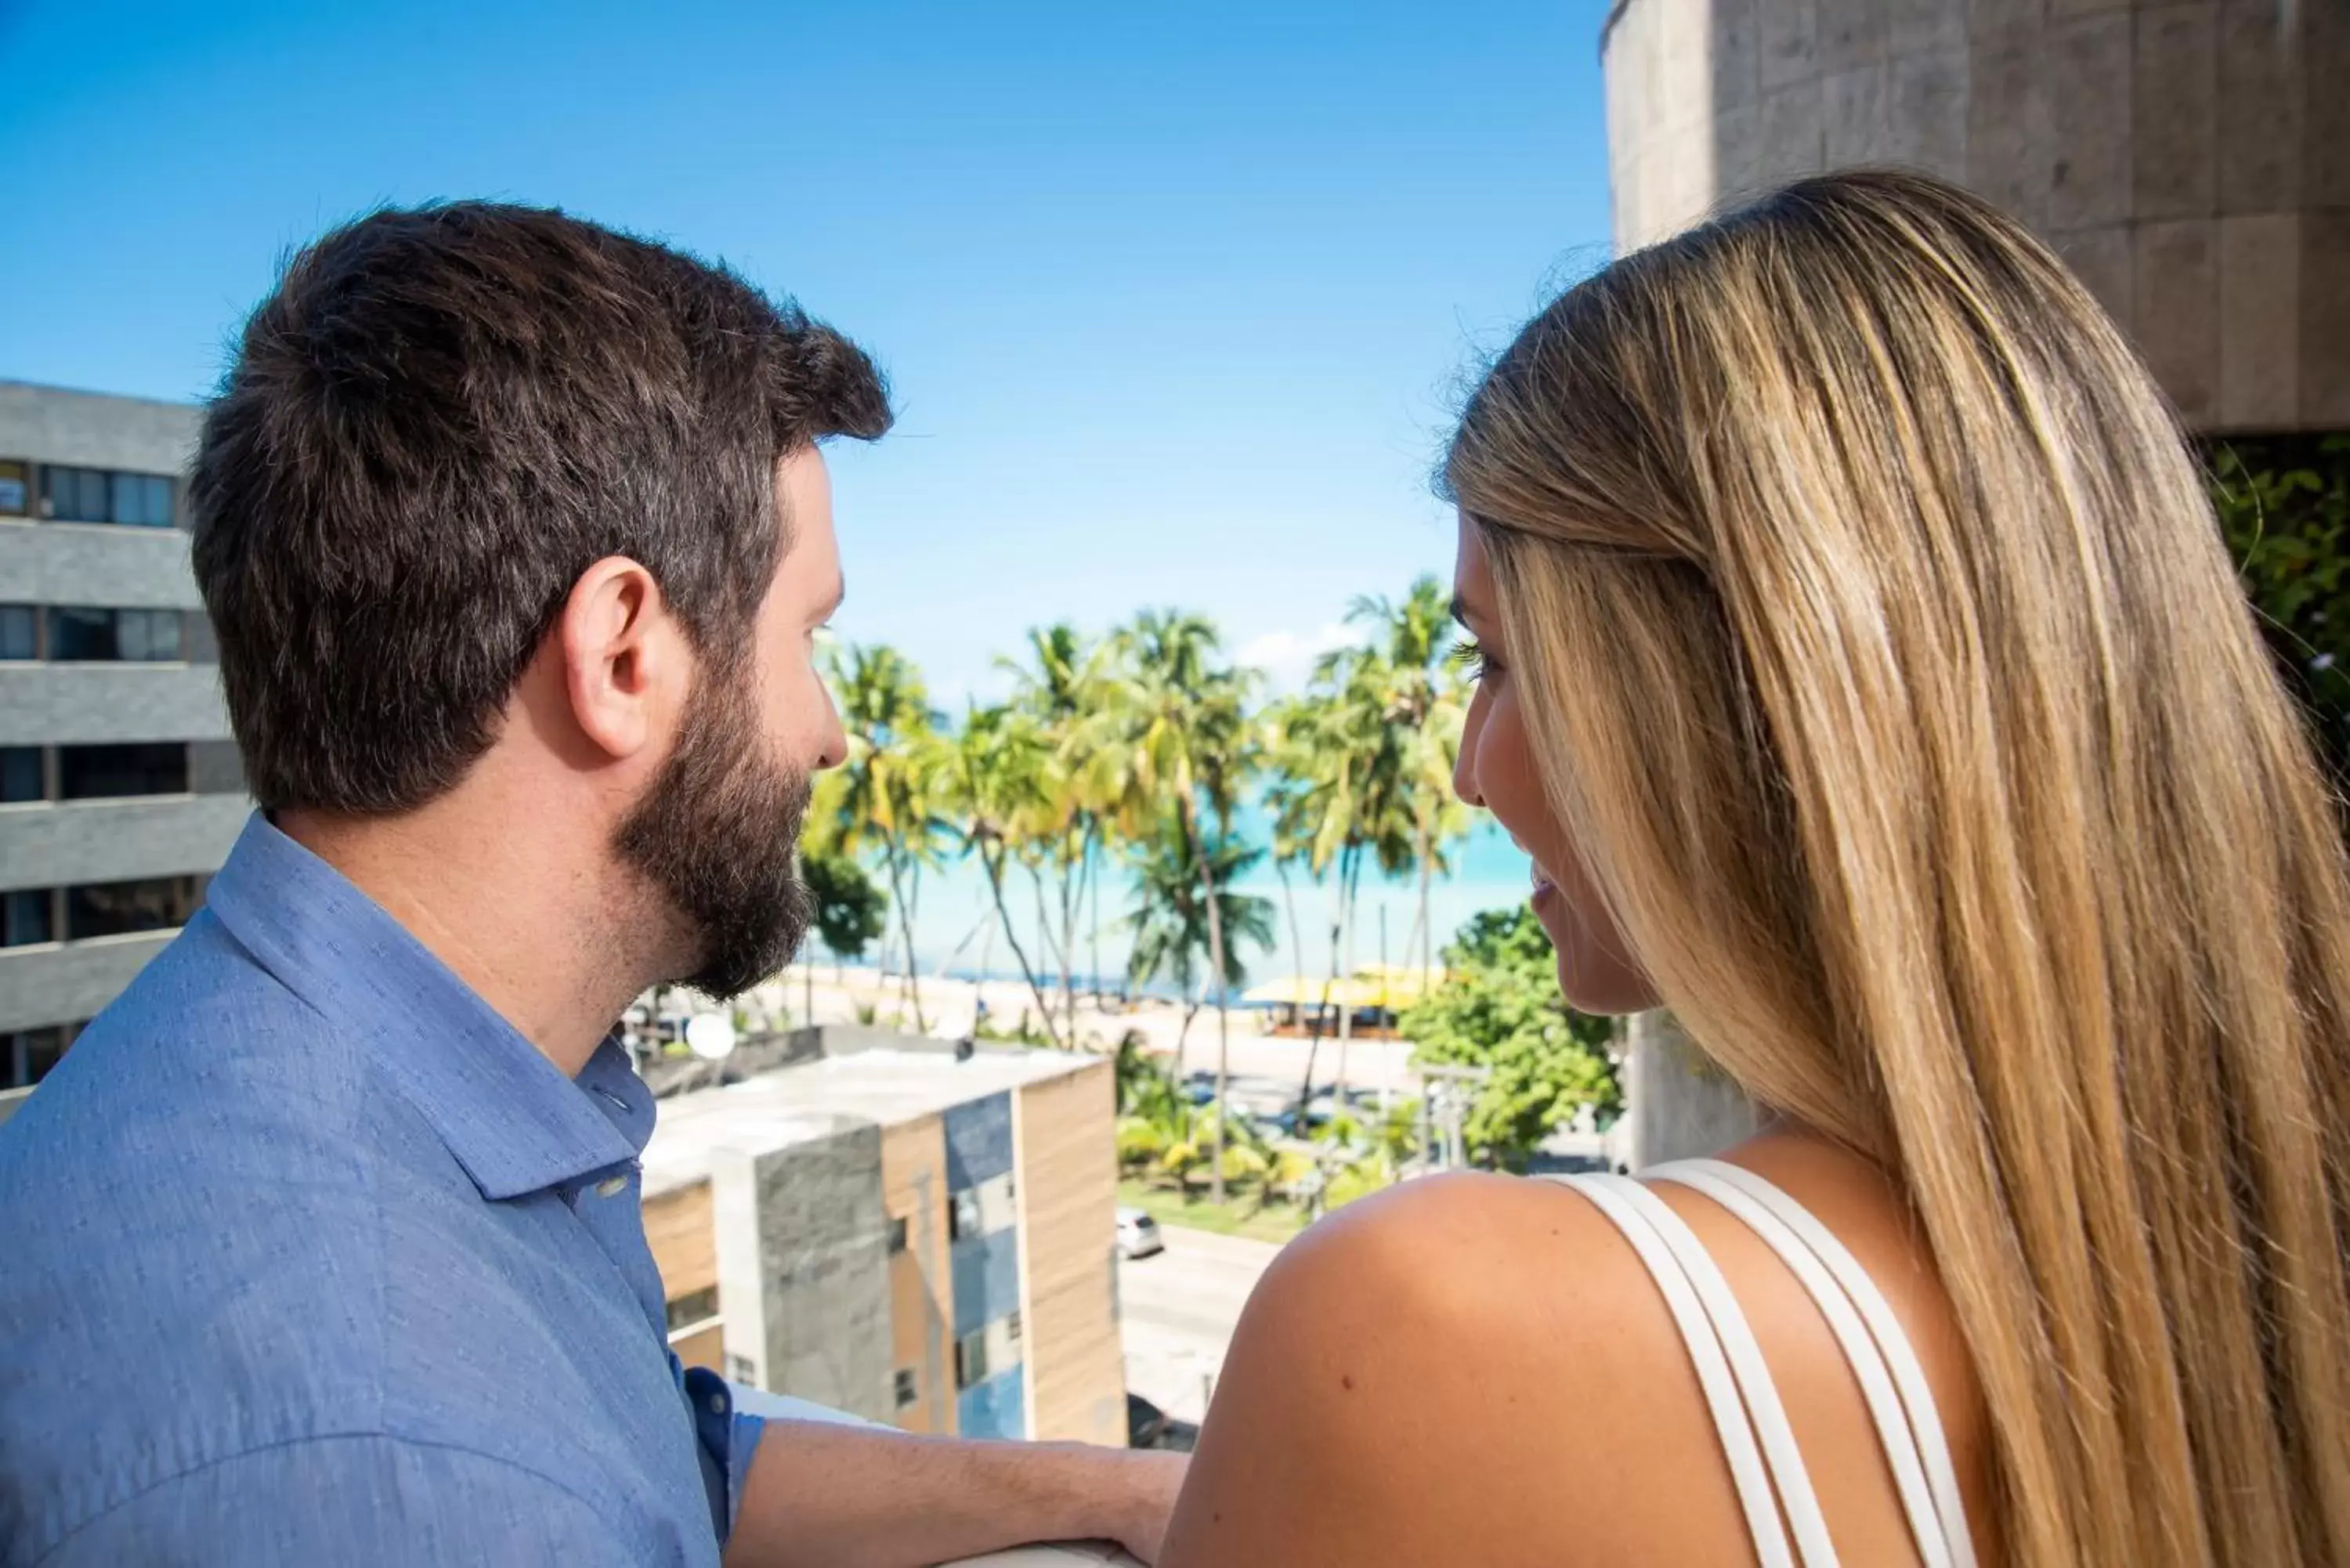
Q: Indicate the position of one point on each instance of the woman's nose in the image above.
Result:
(1464, 770)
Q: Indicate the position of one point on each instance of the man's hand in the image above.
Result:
(1148, 1480)
(830, 1496)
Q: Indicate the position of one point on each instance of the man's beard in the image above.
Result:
(717, 833)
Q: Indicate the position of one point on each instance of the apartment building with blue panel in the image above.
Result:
(983, 1254)
(890, 1230)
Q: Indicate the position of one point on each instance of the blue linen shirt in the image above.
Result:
(307, 1256)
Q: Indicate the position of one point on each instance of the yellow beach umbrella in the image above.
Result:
(1391, 986)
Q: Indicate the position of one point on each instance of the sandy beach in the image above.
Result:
(1263, 1066)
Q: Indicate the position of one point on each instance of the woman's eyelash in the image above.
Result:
(1467, 655)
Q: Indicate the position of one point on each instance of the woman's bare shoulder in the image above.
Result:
(1470, 1364)
(1479, 1368)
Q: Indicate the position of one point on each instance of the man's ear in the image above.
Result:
(621, 654)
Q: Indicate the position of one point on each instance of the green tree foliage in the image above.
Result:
(1170, 921)
(2285, 509)
(1501, 1009)
(851, 913)
(883, 802)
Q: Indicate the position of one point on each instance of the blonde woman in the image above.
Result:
(1863, 674)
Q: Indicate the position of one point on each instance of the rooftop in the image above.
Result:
(885, 1084)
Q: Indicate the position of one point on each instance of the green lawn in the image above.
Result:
(1275, 1224)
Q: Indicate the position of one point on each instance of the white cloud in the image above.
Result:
(1287, 657)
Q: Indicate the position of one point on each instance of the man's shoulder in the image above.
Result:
(205, 1071)
(193, 1234)
(200, 1013)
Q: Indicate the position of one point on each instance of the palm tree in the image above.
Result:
(1295, 750)
(1064, 681)
(998, 781)
(1285, 723)
(1420, 690)
(887, 800)
(1176, 736)
(1175, 929)
(1345, 753)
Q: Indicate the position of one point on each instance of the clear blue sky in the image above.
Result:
(1174, 298)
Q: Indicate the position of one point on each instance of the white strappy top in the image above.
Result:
(1764, 1462)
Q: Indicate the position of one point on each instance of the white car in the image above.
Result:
(1137, 1234)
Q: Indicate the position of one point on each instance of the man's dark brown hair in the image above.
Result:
(437, 422)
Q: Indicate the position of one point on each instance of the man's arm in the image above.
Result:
(862, 1497)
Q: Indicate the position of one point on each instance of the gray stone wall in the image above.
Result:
(803, 1266)
(95, 564)
(2191, 159)
(90, 430)
(111, 567)
(44, 985)
(94, 704)
(81, 841)
(1676, 1105)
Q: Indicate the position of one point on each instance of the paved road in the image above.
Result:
(1179, 1310)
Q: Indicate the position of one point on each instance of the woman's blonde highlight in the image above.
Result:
(1876, 639)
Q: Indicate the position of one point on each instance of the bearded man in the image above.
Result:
(323, 1244)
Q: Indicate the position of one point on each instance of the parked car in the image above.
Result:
(1137, 1234)
(1149, 1426)
(1146, 1424)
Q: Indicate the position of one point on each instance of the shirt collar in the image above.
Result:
(506, 1112)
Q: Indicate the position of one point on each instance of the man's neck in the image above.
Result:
(511, 914)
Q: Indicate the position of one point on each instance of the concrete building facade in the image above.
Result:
(120, 787)
(2189, 159)
(907, 1237)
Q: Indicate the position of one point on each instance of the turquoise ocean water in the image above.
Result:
(1487, 872)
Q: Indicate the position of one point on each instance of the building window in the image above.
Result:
(145, 636)
(102, 772)
(971, 1360)
(907, 1391)
(897, 1235)
(686, 1311)
(962, 1216)
(20, 774)
(120, 909)
(20, 632)
(26, 1055)
(26, 918)
(1012, 1327)
(13, 492)
(99, 495)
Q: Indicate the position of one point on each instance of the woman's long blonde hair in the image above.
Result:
(1876, 636)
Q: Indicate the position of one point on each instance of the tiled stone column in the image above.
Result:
(2191, 159)
(1677, 1105)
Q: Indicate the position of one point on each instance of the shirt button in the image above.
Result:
(611, 1186)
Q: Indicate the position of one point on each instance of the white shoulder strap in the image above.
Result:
(1730, 1365)
(1892, 1382)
